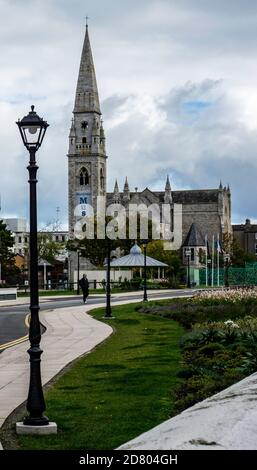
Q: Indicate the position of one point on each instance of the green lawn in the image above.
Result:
(118, 391)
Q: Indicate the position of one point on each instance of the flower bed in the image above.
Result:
(226, 295)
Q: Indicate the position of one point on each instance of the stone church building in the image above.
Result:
(208, 209)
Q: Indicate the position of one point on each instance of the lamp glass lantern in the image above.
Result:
(32, 129)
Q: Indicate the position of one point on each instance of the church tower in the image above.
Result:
(87, 155)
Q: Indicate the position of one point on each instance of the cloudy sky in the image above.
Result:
(178, 85)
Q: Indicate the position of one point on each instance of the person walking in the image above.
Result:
(84, 284)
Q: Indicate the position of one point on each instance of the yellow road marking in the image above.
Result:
(19, 340)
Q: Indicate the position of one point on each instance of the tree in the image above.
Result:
(238, 257)
(8, 269)
(47, 248)
(172, 258)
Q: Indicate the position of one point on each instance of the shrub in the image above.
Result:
(210, 349)
(249, 362)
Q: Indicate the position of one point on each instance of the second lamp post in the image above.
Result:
(145, 299)
(188, 254)
(108, 309)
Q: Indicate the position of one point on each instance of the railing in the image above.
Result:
(71, 287)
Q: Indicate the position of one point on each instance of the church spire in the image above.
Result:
(167, 186)
(87, 155)
(167, 194)
(126, 192)
(116, 193)
(87, 99)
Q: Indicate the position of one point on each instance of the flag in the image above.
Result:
(207, 245)
(218, 246)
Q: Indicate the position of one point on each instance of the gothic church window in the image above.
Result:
(83, 177)
(84, 140)
(101, 178)
(84, 125)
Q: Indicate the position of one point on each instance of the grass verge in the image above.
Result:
(123, 388)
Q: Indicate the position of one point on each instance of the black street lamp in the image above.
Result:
(108, 309)
(226, 280)
(32, 129)
(78, 275)
(145, 299)
(188, 254)
(209, 272)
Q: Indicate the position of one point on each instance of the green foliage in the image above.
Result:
(211, 349)
(249, 363)
(239, 256)
(8, 269)
(47, 248)
(94, 250)
(172, 258)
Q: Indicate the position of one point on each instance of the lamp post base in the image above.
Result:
(22, 428)
(37, 421)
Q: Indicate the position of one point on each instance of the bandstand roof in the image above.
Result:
(136, 258)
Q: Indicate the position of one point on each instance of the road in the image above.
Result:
(14, 327)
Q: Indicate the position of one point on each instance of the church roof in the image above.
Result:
(87, 99)
(195, 196)
(191, 196)
(136, 258)
(194, 237)
(244, 228)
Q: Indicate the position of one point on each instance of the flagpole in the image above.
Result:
(212, 268)
(206, 261)
(218, 259)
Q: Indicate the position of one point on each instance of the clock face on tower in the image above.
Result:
(84, 125)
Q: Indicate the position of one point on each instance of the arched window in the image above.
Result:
(84, 140)
(101, 178)
(83, 177)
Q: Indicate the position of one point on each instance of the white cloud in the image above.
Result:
(178, 86)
